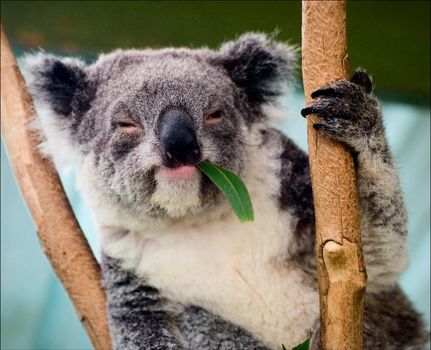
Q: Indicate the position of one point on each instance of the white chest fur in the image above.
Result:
(235, 270)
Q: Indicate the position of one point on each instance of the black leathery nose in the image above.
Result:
(178, 139)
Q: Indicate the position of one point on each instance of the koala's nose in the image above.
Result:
(178, 139)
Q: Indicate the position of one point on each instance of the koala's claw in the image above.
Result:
(347, 111)
(326, 92)
(306, 111)
(325, 109)
(360, 79)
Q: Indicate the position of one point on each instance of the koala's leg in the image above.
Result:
(137, 319)
(203, 330)
(351, 115)
(390, 323)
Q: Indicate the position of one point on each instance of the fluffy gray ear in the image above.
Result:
(62, 83)
(259, 65)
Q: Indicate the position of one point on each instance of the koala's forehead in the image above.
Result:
(176, 76)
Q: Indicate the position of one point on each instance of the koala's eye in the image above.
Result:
(127, 125)
(214, 118)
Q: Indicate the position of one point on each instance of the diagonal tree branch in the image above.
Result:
(60, 235)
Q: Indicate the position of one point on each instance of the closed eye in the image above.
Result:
(214, 117)
(127, 125)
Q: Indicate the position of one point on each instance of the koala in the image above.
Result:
(179, 269)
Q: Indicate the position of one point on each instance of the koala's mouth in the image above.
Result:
(181, 173)
(178, 190)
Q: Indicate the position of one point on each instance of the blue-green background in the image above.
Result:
(390, 39)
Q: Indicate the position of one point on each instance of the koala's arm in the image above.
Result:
(137, 319)
(350, 114)
(383, 213)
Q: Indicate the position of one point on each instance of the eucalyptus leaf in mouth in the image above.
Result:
(233, 188)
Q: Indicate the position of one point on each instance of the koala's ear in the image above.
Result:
(258, 65)
(62, 83)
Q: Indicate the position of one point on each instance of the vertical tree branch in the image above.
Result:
(341, 269)
(59, 232)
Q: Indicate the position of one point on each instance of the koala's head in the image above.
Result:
(143, 119)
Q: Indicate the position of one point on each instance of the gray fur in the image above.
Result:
(296, 197)
(89, 102)
(139, 315)
(204, 330)
(137, 312)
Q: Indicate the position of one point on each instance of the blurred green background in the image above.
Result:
(391, 39)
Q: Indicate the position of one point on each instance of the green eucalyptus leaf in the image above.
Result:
(233, 188)
(303, 346)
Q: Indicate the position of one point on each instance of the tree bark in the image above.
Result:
(60, 235)
(341, 269)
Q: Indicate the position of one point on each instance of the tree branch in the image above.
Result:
(341, 269)
(60, 235)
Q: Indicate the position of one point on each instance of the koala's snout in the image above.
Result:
(179, 144)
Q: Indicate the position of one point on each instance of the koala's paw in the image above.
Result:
(348, 113)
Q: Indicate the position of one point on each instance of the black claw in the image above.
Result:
(306, 111)
(326, 91)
